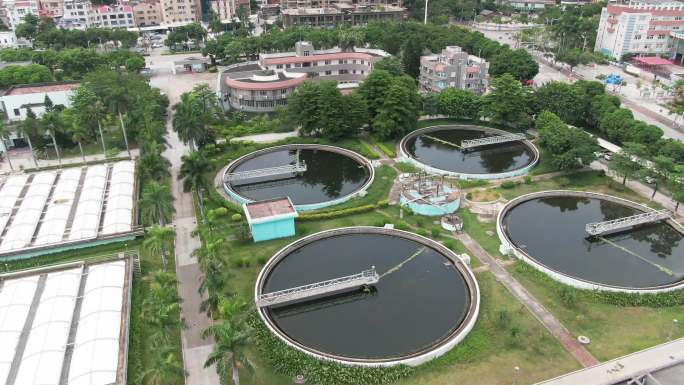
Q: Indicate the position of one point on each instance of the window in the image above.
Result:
(353, 61)
(649, 37)
(17, 112)
(353, 71)
(315, 64)
(343, 72)
(306, 53)
(637, 37)
(327, 62)
(287, 65)
(283, 91)
(279, 66)
(328, 73)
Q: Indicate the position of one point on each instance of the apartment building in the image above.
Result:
(180, 12)
(51, 8)
(651, 27)
(531, 5)
(453, 67)
(76, 14)
(299, 4)
(16, 10)
(147, 13)
(112, 16)
(341, 14)
(263, 85)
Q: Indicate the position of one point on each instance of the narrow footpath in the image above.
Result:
(195, 349)
(551, 323)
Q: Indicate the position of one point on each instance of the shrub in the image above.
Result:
(262, 259)
(422, 232)
(568, 296)
(368, 151)
(402, 226)
(503, 319)
(449, 244)
(236, 217)
(383, 203)
(435, 231)
(336, 213)
(386, 149)
(528, 179)
(406, 167)
(508, 184)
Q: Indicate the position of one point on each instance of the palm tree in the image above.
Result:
(4, 136)
(117, 100)
(230, 343)
(152, 165)
(79, 135)
(28, 127)
(161, 307)
(192, 172)
(156, 203)
(89, 112)
(159, 239)
(164, 369)
(195, 116)
(51, 123)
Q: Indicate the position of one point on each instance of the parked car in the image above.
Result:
(649, 180)
(146, 71)
(157, 45)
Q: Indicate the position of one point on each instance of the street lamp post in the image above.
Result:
(426, 5)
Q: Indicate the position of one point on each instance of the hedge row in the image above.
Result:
(336, 213)
(386, 149)
(672, 298)
(291, 362)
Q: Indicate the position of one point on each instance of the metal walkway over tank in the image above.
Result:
(597, 228)
(366, 277)
(471, 143)
(290, 169)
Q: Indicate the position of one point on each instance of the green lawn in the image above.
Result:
(614, 330)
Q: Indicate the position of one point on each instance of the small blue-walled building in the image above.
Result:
(271, 219)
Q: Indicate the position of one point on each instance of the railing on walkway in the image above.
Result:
(471, 143)
(366, 277)
(290, 169)
(597, 228)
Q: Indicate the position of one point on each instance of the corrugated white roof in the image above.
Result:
(43, 356)
(26, 218)
(56, 209)
(96, 348)
(95, 357)
(15, 301)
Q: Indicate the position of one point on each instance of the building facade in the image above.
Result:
(341, 14)
(147, 13)
(453, 68)
(14, 11)
(15, 101)
(180, 12)
(112, 16)
(51, 8)
(640, 28)
(531, 5)
(264, 85)
(76, 14)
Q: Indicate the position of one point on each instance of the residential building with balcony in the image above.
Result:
(341, 14)
(76, 14)
(14, 11)
(263, 85)
(112, 16)
(180, 12)
(650, 27)
(51, 8)
(147, 13)
(453, 68)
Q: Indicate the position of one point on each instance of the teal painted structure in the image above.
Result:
(278, 228)
(271, 218)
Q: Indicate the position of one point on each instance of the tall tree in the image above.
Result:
(410, 56)
(567, 147)
(192, 173)
(4, 136)
(508, 102)
(399, 112)
(156, 203)
(30, 126)
(89, 112)
(51, 123)
(159, 241)
(459, 103)
(196, 116)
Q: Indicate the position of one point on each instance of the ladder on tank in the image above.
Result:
(472, 143)
(596, 228)
(366, 277)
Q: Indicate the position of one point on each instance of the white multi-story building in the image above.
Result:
(227, 9)
(16, 10)
(453, 68)
(76, 14)
(112, 16)
(650, 27)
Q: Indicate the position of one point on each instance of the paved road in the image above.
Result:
(525, 297)
(195, 349)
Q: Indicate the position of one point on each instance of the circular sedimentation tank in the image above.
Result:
(436, 150)
(547, 230)
(425, 301)
(333, 175)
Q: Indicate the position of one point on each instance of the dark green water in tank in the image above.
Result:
(412, 308)
(491, 159)
(551, 230)
(329, 176)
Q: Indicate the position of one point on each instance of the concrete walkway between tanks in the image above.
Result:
(551, 323)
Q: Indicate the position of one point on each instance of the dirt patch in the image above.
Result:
(483, 196)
